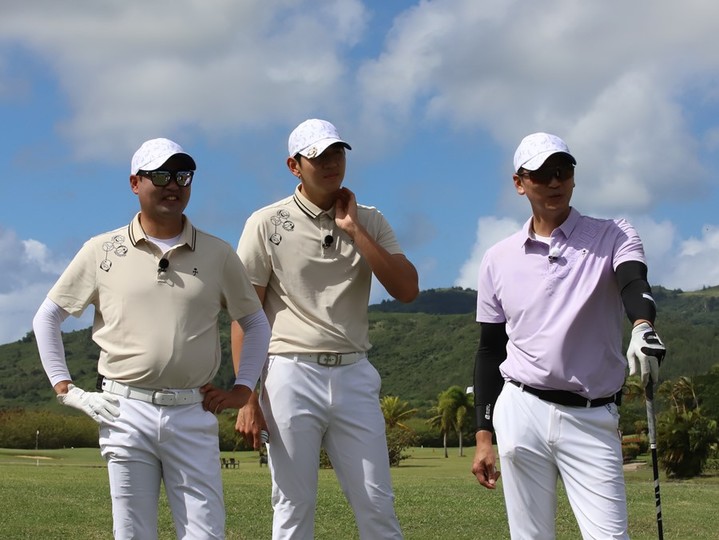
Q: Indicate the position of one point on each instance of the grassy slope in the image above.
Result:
(417, 354)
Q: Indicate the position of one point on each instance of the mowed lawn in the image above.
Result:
(64, 494)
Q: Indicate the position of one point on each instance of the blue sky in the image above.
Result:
(434, 97)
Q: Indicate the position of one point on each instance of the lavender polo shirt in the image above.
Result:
(563, 317)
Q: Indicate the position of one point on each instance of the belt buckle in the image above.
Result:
(329, 359)
(163, 398)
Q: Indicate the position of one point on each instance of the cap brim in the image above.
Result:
(316, 148)
(160, 161)
(537, 161)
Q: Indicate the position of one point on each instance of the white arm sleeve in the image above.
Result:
(46, 325)
(255, 344)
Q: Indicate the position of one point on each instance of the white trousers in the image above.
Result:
(149, 444)
(308, 406)
(538, 442)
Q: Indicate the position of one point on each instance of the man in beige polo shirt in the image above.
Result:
(157, 286)
(311, 258)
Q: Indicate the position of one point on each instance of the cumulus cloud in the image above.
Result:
(575, 69)
(129, 68)
(490, 230)
(693, 265)
(29, 270)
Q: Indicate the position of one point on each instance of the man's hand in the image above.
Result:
(251, 422)
(647, 350)
(346, 211)
(485, 459)
(217, 400)
(94, 404)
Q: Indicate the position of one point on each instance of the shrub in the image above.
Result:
(630, 451)
(642, 441)
(21, 428)
(686, 440)
(398, 440)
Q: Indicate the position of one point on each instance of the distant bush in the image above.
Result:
(630, 452)
(398, 441)
(20, 428)
(642, 441)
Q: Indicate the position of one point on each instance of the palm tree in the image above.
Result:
(684, 433)
(450, 413)
(442, 421)
(395, 412)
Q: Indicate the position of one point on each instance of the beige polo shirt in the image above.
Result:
(156, 329)
(316, 298)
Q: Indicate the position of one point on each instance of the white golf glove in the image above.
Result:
(93, 404)
(647, 350)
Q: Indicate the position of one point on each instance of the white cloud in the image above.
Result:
(129, 68)
(490, 230)
(693, 264)
(30, 270)
(575, 69)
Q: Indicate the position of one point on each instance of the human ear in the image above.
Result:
(294, 166)
(134, 183)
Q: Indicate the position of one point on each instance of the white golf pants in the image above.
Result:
(308, 406)
(540, 441)
(149, 444)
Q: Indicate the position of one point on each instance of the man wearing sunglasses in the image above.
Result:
(158, 286)
(549, 367)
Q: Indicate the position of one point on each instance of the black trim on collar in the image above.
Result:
(304, 207)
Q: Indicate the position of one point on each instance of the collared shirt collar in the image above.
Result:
(137, 233)
(308, 207)
(566, 227)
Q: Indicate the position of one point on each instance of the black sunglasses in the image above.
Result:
(162, 178)
(544, 175)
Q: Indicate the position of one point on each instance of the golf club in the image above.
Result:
(651, 421)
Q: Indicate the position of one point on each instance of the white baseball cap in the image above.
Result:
(312, 137)
(154, 153)
(534, 150)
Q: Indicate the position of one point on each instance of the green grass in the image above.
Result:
(62, 494)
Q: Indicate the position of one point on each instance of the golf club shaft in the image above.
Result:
(651, 422)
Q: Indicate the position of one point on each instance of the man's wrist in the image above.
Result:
(483, 436)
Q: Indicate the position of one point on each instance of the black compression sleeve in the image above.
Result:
(636, 292)
(488, 381)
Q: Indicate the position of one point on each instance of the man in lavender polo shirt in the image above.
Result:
(549, 366)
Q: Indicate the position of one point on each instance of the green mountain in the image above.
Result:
(420, 349)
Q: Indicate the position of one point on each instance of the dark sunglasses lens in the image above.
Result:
(547, 175)
(184, 178)
(160, 178)
(541, 175)
(565, 173)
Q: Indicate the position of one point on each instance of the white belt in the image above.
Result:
(330, 359)
(166, 398)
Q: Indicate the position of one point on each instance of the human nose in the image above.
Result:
(555, 178)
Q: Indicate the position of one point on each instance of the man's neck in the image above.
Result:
(325, 201)
(543, 225)
(161, 228)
